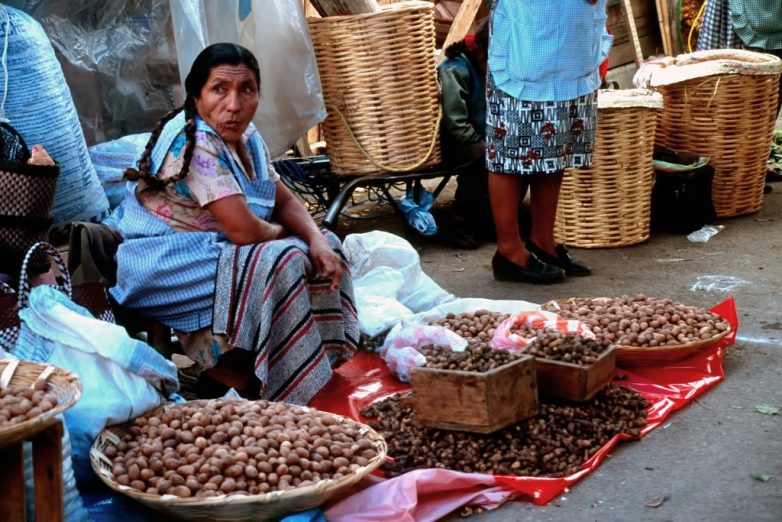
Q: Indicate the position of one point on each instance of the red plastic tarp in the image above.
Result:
(433, 493)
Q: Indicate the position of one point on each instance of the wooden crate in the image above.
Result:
(472, 401)
(46, 439)
(575, 382)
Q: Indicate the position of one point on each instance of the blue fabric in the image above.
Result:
(418, 215)
(171, 275)
(548, 50)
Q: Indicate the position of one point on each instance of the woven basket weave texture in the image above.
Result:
(379, 84)
(729, 118)
(609, 203)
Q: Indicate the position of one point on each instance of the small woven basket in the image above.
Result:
(378, 76)
(268, 506)
(609, 203)
(727, 116)
(65, 385)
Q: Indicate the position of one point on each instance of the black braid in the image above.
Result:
(190, 141)
(145, 162)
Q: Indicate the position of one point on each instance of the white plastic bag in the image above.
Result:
(400, 352)
(121, 377)
(388, 281)
(277, 34)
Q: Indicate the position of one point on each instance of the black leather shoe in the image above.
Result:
(536, 271)
(563, 260)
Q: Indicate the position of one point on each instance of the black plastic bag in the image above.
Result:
(681, 196)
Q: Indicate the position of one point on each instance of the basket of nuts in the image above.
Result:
(645, 330)
(234, 459)
(32, 393)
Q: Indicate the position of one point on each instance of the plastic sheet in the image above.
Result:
(412, 496)
(277, 34)
(118, 59)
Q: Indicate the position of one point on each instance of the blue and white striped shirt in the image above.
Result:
(548, 50)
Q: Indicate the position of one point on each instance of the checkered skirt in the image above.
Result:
(525, 137)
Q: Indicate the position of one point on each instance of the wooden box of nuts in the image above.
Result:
(571, 366)
(575, 382)
(481, 402)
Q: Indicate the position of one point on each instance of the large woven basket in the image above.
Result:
(379, 84)
(722, 104)
(65, 385)
(609, 203)
(268, 506)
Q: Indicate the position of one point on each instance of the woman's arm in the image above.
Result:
(291, 214)
(239, 223)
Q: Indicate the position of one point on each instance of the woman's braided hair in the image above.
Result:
(209, 58)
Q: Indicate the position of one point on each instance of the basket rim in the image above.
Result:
(385, 10)
(712, 62)
(320, 488)
(69, 382)
(626, 349)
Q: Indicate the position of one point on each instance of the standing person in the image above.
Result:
(462, 77)
(542, 112)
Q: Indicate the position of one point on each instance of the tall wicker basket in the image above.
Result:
(722, 104)
(379, 84)
(609, 203)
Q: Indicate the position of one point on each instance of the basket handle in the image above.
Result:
(388, 168)
(45, 374)
(24, 280)
(8, 373)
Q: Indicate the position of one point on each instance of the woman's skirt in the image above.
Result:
(526, 137)
(269, 301)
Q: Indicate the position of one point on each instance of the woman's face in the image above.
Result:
(228, 101)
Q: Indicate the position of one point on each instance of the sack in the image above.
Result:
(91, 295)
(26, 198)
(122, 377)
(40, 106)
(681, 196)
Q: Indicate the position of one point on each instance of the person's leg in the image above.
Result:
(543, 205)
(505, 197)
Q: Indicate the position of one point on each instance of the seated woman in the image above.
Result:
(205, 249)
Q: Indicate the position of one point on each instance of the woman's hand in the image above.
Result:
(326, 262)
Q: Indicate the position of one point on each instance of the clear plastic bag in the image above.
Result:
(277, 34)
(118, 59)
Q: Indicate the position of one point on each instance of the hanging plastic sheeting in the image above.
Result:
(277, 34)
(118, 58)
(38, 103)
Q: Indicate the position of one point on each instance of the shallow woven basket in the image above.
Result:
(628, 356)
(65, 385)
(609, 203)
(379, 84)
(267, 506)
(730, 118)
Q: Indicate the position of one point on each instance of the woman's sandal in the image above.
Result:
(536, 272)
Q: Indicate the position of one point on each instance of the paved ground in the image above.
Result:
(701, 459)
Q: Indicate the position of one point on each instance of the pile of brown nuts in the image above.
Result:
(473, 326)
(642, 321)
(554, 443)
(21, 403)
(475, 358)
(236, 448)
(567, 347)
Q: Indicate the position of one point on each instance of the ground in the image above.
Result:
(701, 459)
